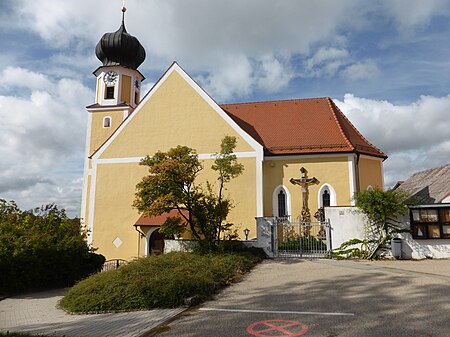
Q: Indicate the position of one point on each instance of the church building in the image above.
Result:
(285, 146)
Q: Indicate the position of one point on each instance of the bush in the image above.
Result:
(306, 244)
(162, 281)
(42, 249)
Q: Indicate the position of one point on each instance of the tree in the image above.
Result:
(42, 248)
(382, 208)
(171, 185)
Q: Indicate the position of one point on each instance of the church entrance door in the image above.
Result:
(156, 241)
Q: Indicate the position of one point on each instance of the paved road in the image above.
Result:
(37, 313)
(328, 299)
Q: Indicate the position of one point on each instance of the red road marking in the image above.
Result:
(283, 328)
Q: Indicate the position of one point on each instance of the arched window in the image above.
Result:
(107, 122)
(326, 196)
(281, 202)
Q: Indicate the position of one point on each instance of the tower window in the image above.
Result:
(109, 93)
(136, 98)
(107, 122)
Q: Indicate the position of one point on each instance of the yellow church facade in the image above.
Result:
(274, 141)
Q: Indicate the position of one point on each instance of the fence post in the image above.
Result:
(328, 231)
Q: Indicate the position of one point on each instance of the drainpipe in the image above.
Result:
(140, 236)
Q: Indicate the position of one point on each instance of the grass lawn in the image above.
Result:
(162, 281)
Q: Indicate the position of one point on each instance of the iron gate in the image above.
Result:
(301, 239)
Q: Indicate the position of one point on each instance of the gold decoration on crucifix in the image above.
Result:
(305, 182)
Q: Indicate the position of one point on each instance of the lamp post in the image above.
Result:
(246, 232)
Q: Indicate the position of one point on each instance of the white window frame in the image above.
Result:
(110, 122)
(330, 190)
(275, 200)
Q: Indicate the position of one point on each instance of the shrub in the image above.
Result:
(157, 282)
(42, 249)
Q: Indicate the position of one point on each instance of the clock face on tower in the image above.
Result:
(110, 78)
(136, 84)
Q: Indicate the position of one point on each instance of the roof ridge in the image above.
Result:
(330, 104)
(334, 106)
(432, 169)
(277, 100)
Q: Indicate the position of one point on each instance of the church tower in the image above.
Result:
(118, 92)
(118, 84)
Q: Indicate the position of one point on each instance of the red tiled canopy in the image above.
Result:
(158, 220)
(300, 126)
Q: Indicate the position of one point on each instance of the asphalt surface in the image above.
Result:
(329, 299)
(278, 298)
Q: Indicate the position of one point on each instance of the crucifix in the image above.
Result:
(305, 182)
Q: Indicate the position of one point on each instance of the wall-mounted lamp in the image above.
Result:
(246, 232)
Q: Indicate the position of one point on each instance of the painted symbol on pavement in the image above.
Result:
(277, 328)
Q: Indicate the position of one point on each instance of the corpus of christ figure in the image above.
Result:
(305, 182)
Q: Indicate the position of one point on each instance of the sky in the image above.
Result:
(385, 63)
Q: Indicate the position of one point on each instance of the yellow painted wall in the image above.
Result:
(370, 173)
(174, 115)
(99, 134)
(114, 216)
(332, 170)
(242, 191)
(99, 83)
(125, 96)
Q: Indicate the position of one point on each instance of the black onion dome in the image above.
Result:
(120, 48)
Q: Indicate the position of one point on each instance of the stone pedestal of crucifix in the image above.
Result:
(305, 182)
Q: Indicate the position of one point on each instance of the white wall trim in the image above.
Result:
(332, 191)
(352, 177)
(202, 156)
(86, 171)
(259, 183)
(275, 200)
(147, 239)
(119, 160)
(306, 156)
(106, 108)
(205, 156)
(92, 203)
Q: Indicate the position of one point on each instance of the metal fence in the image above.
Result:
(113, 264)
(301, 239)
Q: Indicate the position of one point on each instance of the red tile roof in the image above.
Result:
(158, 220)
(300, 126)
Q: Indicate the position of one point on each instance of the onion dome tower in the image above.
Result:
(120, 48)
(118, 79)
(118, 84)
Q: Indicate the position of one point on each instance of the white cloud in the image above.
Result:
(415, 136)
(16, 77)
(411, 14)
(42, 136)
(273, 74)
(326, 62)
(366, 70)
